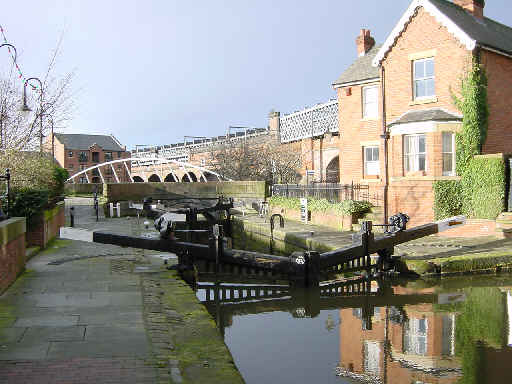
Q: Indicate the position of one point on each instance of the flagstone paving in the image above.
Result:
(94, 313)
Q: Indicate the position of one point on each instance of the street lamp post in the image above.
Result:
(2, 112)
(26, 108)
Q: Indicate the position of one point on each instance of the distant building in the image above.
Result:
(77, 152)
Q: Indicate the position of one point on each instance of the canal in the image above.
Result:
(451, 330)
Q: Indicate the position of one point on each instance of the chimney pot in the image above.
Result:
(364, 42)
(475, 7)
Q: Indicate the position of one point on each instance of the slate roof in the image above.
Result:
(80, 141)
(486, 32)
(361, 69)
(435, 114)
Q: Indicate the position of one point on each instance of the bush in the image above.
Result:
(36, 182)
(346, 207)
(447, 199)
(60, 175)
(483, 188)
(29, 203)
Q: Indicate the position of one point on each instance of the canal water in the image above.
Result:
(454, 330)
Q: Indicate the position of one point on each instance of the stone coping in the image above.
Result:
(11, 229)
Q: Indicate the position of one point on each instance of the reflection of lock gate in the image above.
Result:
(301, 268)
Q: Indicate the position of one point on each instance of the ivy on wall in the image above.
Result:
(483, 188)
(481, 191)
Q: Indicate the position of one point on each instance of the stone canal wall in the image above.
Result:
(12, 252)
(255, 190)
(429, 256)
(83, 189)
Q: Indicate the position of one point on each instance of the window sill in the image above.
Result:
(425, 178)
(367, 179)
(370, 118)
(426, 100)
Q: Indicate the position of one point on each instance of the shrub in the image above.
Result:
(483, 187)
(346, 207)
(448, 199)
(29, 203)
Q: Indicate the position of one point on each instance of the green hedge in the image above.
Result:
(479, 195)
(29, 203)
(448, 199)
(346, 207)
(483, 188)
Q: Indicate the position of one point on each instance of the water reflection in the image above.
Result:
(452, 331)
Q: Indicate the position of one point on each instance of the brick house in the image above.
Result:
(412, 131)
(77, 152)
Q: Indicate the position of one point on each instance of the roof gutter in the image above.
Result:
(358, 82)
(487, 48)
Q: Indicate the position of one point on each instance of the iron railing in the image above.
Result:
(331, 191)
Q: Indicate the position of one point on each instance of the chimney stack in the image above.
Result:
(475, 7)
(364, 42)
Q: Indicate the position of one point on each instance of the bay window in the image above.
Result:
(448, 154)
(414, 153)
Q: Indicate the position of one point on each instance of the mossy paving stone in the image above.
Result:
(184, 337)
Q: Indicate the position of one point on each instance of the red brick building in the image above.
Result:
(396, 108)
(77, 152)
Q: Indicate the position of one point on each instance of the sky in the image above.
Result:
(151, 71)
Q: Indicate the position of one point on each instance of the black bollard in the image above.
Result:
(72, 216)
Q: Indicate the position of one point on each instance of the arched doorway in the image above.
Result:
(154, 178)
(170, 178)
(332, 172)
(138, 179)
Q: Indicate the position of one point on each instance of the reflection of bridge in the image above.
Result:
(152, 170)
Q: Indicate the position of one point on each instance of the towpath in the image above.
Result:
(94, 313)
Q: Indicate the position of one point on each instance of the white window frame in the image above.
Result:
(370, 164)
(415, 341)
(452, 154)
(370, 113)
(423, 79)
(416, 164)
(70, 153)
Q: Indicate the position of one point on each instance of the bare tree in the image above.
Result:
(247, 161)
(20, 130)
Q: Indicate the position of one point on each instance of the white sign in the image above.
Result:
(304, 210)
(451, 222)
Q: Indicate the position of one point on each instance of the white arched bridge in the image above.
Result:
(148, 169)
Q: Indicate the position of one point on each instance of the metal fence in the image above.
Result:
(330, 191)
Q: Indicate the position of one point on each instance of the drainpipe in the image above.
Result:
(385, 137)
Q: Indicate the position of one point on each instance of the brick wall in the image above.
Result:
(47, 227)
(12, 250)
(451, 58)
(412, 193)
(355, 133)
(499, 73)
